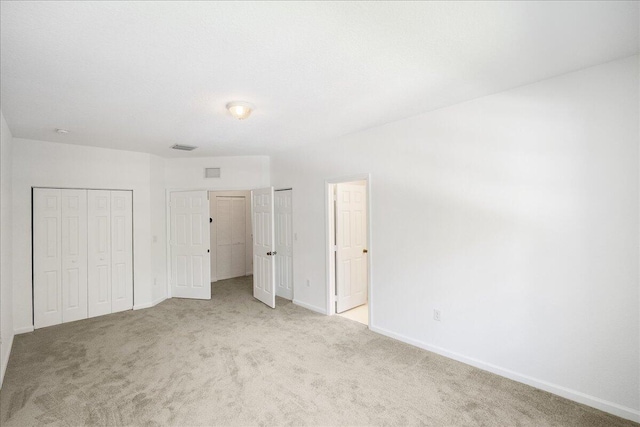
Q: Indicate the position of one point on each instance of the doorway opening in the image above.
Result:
(348, 245)
(217, 235)
(230, 234)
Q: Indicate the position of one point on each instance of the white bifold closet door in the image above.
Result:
(47, 259)
(60, 256)
(99, 252)
(230, 237)
(110, 252)
(121, 251)
(82, 254)
(74, 255)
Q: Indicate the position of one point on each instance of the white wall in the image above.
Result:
(237, 173)
(46, 164)
(6, 288)
(158, 229)
(516, 215)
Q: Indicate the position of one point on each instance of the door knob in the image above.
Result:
(272, 253)
(364, 251)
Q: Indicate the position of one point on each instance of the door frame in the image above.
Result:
(329, 229)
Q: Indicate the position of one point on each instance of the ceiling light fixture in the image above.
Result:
(240, 109)
(62, 131)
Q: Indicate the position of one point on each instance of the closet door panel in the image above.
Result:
(99, 252)
(74, 255)
(121, 251)
(47, 267)
(223, 240)
(238, 237)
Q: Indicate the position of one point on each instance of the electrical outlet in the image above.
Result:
(437, 315)
(308, 283)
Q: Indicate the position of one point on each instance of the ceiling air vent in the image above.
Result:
(183, 147)
(212, 172)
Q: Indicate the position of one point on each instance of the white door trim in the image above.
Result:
(330, 260)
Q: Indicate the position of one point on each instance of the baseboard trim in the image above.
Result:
(141, 306)
(5, 361)
(158, 301)
(23, 330)
(576, 396)
(309, 306)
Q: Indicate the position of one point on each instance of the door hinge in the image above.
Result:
(335, 248)
(335, 197)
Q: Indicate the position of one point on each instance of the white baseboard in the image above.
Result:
(23, 330)
(141, 306)
(5, 360)
(158, 301)
(309, 306)
(576, 396)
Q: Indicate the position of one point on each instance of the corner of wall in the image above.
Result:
(6, 272)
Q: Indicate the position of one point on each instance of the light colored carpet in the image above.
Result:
(234, 361)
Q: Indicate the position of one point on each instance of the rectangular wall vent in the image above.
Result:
(212, 173)
(184, 147)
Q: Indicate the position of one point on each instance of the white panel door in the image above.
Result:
(263, 246)
(74, 255)
(284, 244)
(121, 251)
(351, 238)
(190, 259)
(47, 261)
(99, 252)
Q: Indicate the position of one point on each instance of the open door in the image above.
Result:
(351, 251)
(190, 262)
(263, 246)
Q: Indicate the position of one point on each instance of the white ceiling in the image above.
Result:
(142, 76)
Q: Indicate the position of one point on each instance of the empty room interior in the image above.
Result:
(321, 213)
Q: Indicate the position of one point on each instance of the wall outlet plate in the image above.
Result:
(437, 315)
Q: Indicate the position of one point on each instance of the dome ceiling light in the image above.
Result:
(240, 109)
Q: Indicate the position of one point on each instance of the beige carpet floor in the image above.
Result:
(234, 361)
